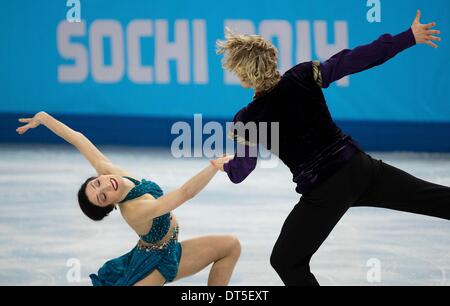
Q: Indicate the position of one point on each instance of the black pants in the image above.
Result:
(363, 181)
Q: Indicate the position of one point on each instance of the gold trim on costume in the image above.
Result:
(240, 140)
(316, 73)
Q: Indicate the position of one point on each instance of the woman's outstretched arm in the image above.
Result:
(145, 211)
(376, 53)
(96, 158)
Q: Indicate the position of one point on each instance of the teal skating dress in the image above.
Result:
(142, 260)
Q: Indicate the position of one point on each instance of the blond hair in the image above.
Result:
(252, 58)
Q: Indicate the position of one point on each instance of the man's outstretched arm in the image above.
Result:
(376, 53)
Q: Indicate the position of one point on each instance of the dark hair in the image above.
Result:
(91, 210)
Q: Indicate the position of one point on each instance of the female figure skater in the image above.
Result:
(158, 256)
(331, 171)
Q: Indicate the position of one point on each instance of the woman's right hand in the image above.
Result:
(219, 162)
(31, 123)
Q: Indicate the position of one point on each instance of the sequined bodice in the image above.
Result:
(161, 225)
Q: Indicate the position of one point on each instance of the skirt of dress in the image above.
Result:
(135, 265)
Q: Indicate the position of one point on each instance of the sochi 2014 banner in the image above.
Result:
(157, 58)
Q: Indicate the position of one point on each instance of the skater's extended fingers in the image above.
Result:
(429, 32)
(222, 160)
(25, 119)
(431, 37)
(22, 129)
(417, 19)
(229, 156)
(430, 25)
(431, 44)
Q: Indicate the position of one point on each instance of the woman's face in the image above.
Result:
(105, 190)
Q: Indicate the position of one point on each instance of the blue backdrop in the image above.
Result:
(141, 65)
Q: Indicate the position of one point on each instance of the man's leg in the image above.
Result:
(314, 217)
(304, 230)
(396, 189)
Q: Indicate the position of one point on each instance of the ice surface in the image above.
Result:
(42, 227)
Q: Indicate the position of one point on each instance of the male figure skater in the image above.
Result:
(331, 171)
